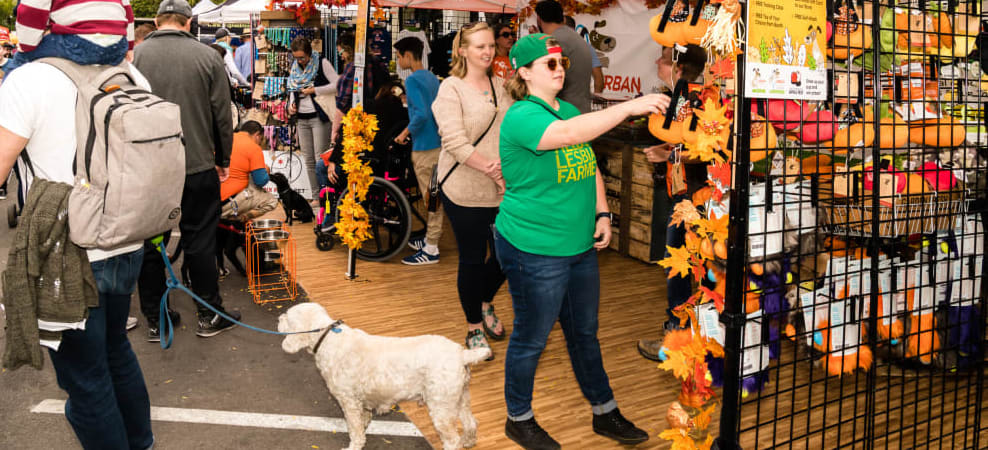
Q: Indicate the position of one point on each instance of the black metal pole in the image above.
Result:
(874, 243)
(733, 316)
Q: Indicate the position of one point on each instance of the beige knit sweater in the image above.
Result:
(462, 113)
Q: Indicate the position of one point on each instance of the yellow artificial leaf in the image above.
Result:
(678, 262)
(677, 363)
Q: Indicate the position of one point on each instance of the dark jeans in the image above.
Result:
(679, 289)
(544, 289)
(479, 275)
(108, 405)
(200, 217)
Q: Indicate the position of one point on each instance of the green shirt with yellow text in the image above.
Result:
(550, 201)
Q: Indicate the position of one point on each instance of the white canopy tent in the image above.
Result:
(233, 11)
(203, 6)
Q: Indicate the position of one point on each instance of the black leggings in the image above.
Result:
(479, 275)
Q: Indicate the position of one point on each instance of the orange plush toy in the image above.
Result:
(851, 37)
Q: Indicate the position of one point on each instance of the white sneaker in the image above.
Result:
(131, 323)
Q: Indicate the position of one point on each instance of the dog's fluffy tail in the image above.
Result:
(476, 355)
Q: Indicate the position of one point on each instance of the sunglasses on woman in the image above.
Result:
(552, 63)
(507, 34)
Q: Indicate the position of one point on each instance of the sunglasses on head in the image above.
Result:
(507, 34)
(552, 63)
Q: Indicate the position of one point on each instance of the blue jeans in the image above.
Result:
(73, 48)
(544, 289)
(108, 405)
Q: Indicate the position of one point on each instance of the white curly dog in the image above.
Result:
(368, 374)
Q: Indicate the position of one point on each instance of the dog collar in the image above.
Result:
(332, 327)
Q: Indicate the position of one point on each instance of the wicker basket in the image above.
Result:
(899, 215)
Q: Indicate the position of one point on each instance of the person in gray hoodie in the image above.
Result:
(184, 71)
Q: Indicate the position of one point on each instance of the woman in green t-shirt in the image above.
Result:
(552, 220)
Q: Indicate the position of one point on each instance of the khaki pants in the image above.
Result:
(424, 161)
(249, 203)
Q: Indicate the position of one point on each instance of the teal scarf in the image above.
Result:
(302, 78)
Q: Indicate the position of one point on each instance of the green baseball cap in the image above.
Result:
(528, 49)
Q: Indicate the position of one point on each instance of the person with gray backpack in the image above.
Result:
(94, 193)
(184, 71)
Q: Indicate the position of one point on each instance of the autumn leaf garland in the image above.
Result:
(359, 129)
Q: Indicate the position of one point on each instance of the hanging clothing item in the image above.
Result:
(404, 73)
(379, 42)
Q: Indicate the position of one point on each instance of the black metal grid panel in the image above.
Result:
(864, 327)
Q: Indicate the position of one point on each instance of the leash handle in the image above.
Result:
(166, 328)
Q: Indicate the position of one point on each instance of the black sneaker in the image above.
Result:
(613, 425)
(529, 435)
(210, 326)
(154, 333)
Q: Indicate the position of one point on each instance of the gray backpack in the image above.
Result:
(130, 159)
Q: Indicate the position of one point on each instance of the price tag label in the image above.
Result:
(710, 325)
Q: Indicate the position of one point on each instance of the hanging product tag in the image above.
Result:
(710, 325)
(675, 174)
(844, 329)
(755, 357)
(814, 304)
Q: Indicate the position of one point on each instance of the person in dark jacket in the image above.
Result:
(192, 75)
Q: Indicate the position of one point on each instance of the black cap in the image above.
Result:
(175, 7)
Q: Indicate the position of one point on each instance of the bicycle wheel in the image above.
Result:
(390, 220)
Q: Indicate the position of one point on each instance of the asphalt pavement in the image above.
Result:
(199, 384)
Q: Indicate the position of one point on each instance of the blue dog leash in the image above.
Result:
(165, 320)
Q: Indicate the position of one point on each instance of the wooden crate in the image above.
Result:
(630, 196)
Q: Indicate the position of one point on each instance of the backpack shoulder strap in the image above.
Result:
(89, 75)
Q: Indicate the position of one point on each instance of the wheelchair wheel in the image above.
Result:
(325, 242)
(390, 220)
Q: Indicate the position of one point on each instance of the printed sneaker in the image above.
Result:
(420, 258)
(131, 323)
(476, 339)
(417, 243)
(153, 334)
(210, 326)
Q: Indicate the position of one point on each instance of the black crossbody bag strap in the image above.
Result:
(493, 119)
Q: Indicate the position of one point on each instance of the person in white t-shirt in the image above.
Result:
(108, 405)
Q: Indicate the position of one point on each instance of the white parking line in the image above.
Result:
(259, 420)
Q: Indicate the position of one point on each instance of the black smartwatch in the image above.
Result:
(608, 215)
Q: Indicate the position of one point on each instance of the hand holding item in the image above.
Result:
(658, 153)
(309, 90)
(648, 104)
(292, 110)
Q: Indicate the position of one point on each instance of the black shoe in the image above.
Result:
(211, 325)
(613, 425)
(529, 435)
(154, 333)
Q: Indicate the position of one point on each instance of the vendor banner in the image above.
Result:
(619, 37)
(784, 51)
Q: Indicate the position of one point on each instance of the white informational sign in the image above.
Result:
(783, 55)
(292, 166)
(619, 36)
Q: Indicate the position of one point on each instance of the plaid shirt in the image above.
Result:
(344, 87)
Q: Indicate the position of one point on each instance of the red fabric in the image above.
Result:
(40, 18)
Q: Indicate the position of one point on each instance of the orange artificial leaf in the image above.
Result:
(720, 172)
(709, 295)
(678, 262)
(701, 196)
(684, 212)
(716, 227)
(680, 440)
(677, 363)
(692, 242)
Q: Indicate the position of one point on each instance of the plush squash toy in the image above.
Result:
(893, 132)
(667, 28)
(851, 36)
(943, 132)
(861, 133)
(668, 127)
(964, 39)
(693, 30)
(763, 138)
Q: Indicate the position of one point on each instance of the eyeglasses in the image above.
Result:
(507, 34)
(553, 63)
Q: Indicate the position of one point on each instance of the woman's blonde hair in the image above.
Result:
(462, 40)
(515, 86)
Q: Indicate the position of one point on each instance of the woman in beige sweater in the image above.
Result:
(468, 110)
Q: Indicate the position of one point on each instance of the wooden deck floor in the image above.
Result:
(393, 299)
(397, 300)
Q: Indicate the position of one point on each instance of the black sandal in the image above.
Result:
(490, 330)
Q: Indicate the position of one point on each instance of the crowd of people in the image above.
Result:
(505, 137)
